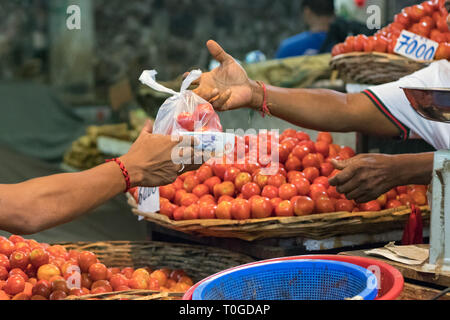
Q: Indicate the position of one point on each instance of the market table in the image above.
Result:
(419, 285)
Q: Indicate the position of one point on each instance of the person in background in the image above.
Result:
(325, 30)
(39, 204)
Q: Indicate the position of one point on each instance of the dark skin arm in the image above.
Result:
(367, 176)
(228, 87)
(43, 203)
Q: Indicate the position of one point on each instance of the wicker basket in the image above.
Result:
(199, 262)
(319, 226)
(374, 67)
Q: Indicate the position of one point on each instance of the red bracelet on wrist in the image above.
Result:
(264, 109)
(124, 172)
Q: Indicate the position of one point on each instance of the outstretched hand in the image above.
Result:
(226, 87)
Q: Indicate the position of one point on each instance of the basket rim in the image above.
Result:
(285, 263)
(393, 293)
(248, 228)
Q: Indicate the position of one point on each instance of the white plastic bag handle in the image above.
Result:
(148, 78)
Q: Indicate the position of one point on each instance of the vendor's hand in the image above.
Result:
(150, 161)
(365, 177)
(227, 86)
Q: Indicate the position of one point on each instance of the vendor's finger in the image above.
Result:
(355, 194)
(348, 186)
(342, 177)
(219, 103)
(341, 164)
(217, 52)
(206, 94)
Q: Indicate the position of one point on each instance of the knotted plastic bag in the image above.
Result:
(184, 111)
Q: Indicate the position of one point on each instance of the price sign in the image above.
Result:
(415, 47)
(148, 200)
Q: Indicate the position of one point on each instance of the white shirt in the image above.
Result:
(392, 101)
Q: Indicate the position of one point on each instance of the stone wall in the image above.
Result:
(168, 35)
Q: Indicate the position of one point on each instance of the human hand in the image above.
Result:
(366, 177)
(154, 160)
(227, 86)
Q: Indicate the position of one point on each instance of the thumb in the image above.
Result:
(217, 52)
(340, 164)
(148, 128)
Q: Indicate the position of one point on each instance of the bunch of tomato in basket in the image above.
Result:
(428, 20)
(38, 271)
(240, 190)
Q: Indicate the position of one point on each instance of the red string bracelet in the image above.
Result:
(124, 172)
(264, 109)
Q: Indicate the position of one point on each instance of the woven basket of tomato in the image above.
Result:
(237, 200)
(372, 60)
(106, 270)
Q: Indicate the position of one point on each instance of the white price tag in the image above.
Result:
(148, 200)
(415, 47)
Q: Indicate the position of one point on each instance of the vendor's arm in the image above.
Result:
(368, 176)
(42, 203)
(228, 87)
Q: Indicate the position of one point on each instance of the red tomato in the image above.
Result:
(324, 205)
(223, 210)
(167, 192)
(226, 188)
(302, 136)
(186, 121)
(391, 204)
(98, 271)
(326, 169)
(201, 190)
(261, 208)
(302, 185)
(293, 163)
(167, 209)
(304, 206)
(276, 180)
(240, 209)
(188, 199)
(207, 198)
(300, 152)
(311, 173)
(438, 36)
(178, 214)
(179, 195)
(225, 198)
(250, 189)
(381, 44)
(242, 179)
(369, 44)
(190, 183)
(349, 44)
(287, 191)
(6, 247)
(19, 259)
(417, 12)
(211, 182)
(443, 51)
(39, 257)
(359, 43)
(372, 206)
(402, 18)
(207, 211)
(192, 212)
(204, 173)
(323, 181)
(14, 285)
(343, 205)
(311, 160)
(231, 173)
(284, 209)
(204, 112)
(270, 192)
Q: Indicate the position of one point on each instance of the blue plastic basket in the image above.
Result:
(291, 280)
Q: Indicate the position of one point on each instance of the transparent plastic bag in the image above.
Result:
(184, 111)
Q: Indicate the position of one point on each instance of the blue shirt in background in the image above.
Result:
(305, 43)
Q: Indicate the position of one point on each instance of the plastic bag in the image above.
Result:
(184, 111)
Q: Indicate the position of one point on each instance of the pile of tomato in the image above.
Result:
(428, 20)
(38, 271)
(239, 190)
